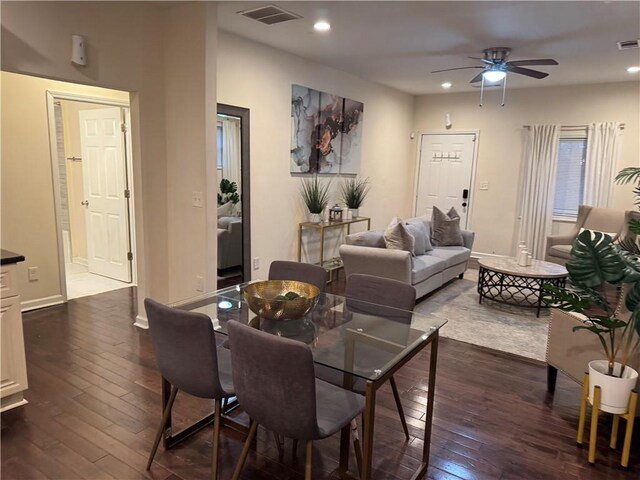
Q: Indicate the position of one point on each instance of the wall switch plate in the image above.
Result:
(32, 273)
(197, 199)
(200, 283)
(484, 185)
(256, 263)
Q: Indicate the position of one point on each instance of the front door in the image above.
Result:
(105, 200)
(444, 174)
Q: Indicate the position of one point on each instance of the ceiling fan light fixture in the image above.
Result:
(494, 75)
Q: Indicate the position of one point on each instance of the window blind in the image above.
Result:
(569, 190)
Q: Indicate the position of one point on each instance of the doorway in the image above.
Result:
(94, 196)
(234, 200)
(445, 171)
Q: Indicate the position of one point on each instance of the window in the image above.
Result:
(219, 132)
(570, 176)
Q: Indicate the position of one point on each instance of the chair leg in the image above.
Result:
(245, 449)
(357, 447)
(309, 461)
(279, 444)
(216, 439)
(552, 375)
(163, 422)
(294, 450)
(396, 395)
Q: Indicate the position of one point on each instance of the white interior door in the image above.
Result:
(444, 174)
(104, 180)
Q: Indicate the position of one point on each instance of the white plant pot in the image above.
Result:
(354, 212)
(314, 217)
(615, 392)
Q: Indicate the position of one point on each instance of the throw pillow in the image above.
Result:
(397, 237)
(418, 230)
(445, 230)
(225, 210)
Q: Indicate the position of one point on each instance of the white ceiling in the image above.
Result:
(399, 43)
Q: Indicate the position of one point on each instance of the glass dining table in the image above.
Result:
(352, 340)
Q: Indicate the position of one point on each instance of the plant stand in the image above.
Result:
(595, 412)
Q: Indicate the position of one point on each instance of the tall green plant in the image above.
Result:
(228, 192)
(354, 190)
(315, 194)
(596, 266)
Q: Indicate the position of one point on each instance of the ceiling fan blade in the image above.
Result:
(537, 61)
(449, 69)
(477, 78)
(484, 60)
(526, 72)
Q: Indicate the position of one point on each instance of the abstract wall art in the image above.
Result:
(326, 132)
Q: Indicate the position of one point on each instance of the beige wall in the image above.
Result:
(128, 45)
(28, 216)
(494, 215)
(259, 78)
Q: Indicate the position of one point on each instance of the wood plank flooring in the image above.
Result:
(94, 405)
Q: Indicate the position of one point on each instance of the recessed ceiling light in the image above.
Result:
(633, 69)
(446, 85)
(322, 26)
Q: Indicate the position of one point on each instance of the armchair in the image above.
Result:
(606, 220)
(229, 242)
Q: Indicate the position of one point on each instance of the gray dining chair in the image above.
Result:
(382, 297)
(276, 386)
(187, 357)
(301, 272)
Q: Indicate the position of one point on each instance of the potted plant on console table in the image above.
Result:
(599, 270)
(354, 191)
(315, 196)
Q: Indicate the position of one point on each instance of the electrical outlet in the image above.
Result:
(197, 199)
(32, 273)
(484, 185)
(200, 283)
(256, 263)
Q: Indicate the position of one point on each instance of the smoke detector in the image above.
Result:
(269, 14)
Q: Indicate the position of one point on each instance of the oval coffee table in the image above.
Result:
(501, 279)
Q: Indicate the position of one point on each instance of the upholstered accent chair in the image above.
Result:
(276, 386)
(607, 220)
(187, 357)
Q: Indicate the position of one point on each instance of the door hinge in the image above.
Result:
(129, 256)
(127, 193)
(123, 127)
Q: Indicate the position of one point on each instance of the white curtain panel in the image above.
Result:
(231, 149)
(603, 141)
(538, 186)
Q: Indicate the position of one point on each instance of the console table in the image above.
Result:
(334, 263)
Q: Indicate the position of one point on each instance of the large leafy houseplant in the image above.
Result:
(228, 192)
(315, 194)
(354, 190)
(597, 267)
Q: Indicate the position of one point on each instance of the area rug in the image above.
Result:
(490, 324)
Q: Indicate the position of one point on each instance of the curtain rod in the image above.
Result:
(622, 125)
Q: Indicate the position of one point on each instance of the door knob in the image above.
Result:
(85, 203)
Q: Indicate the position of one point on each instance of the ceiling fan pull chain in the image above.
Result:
(504, 88)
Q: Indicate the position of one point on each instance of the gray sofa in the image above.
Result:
(365, 252)
(229, 242)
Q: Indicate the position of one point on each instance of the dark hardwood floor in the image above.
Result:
(94, 405)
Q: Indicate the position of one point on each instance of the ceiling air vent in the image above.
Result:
(627, 44)
(270, 14)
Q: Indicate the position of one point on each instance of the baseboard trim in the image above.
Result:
(81, 261)
(41, 303)
(141, 322)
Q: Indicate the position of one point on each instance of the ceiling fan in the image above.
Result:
(496, 66)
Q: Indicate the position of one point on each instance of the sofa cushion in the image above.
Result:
(370, 238)
(425, 266)
(562, 251)
(397, 236)
(445, 228)
(421, 232)
(452, 255)
(225, 209)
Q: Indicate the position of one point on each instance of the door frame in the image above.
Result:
(52, 97)
(245, 180)
(474, 163)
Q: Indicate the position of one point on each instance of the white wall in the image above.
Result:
(494, 215)
(259, 78)
(135, 47)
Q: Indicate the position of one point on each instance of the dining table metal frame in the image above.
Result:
(171, 439)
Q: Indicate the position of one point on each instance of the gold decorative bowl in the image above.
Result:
(265, 299)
